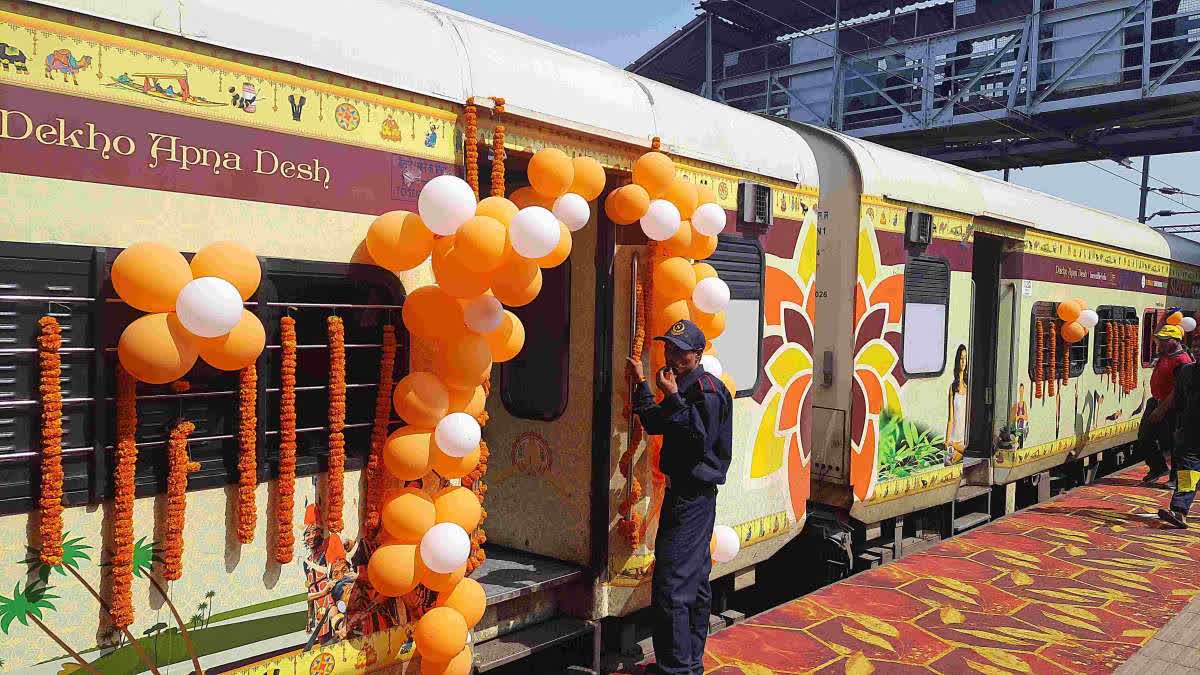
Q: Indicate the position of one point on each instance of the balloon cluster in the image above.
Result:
(686, 220)
(485, 255)
(196, 310)
(724, 545)
(1077, 320)
(1176, 318)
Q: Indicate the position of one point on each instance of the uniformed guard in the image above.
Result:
(695, 419)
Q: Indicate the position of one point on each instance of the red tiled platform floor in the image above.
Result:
(1074, 585)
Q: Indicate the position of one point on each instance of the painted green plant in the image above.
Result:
(906, 448)
(26, 605)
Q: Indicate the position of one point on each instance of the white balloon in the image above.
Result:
(709, 219)
(445, 203)
(534, 232)
(484, 314)
(445, 547)
(209, 307)
(712, 366)
(573, 211)
(711, 295)
(661, 221)
(725, 543)
(1188, 324)
(457, 434)
(1088, 318)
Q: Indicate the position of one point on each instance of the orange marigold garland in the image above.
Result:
(1110, 342)
(179, 466)
(630, 525)
(1052, 378)
(50, 388)
(247, 452)
(1135, 342)
(1039, 365)
(285, 505)
(337, 424)
(498, 151)
(471, 118)
(123, 486)
(379, 431)
(1066, 365)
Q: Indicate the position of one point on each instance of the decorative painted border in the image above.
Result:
(910, 485)
(1010, 459)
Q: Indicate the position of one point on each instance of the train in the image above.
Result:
(893, 326)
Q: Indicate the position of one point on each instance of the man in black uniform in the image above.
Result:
(695, 419)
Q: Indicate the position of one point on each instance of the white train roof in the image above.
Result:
(910, 178)
(427, 49)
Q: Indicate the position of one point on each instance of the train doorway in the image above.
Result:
(985, 273)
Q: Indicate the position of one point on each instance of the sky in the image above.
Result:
(619, 31)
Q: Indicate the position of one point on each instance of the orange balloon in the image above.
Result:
(499, 208)
(589, 178)
(230, 261)
(703, 246)
(399, 240)
(668, 315)
(627, 204)
(465, 361)
(440, 634)
(517, 281)
(452, 273)
(704, 271)
(560, 252)
(654, 171)
(674, 279)
(712, 325)
(470, 401)
(439, 581)
(1068, 310)
(407, 515)
(680, 244)
(459, 665)
(684, 196)
(1174, 319)
(157, 349)
(506, 341)
(729, 383)
(709, 347)
(526, 196)
(550, 172)
(408, 452)
(452, 467)
(458, 505)
(149, 276)
(237, 349)
(1073, 332)
(430, 312)
(705, 195)
(392, 569)
(469, 598)
(479, 243)
(421, 399)
(1082, 304)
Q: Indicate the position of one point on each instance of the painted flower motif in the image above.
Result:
(878, 377)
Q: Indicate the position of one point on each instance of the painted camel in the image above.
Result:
(63, 61)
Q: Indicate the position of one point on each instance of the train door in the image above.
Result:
(985, 275)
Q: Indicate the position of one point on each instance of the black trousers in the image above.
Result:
(1187, 465)
(1157, 441)
(680, 594)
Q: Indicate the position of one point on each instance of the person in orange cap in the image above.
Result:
(315, 569)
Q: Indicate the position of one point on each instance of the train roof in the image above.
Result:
(426, 49)
(910, 178)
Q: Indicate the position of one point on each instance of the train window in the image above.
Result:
(76, 277)
(926, 315)
(1045, 335)
(535, 384)
(1103, 331)
(1152, 319)
(740, 263)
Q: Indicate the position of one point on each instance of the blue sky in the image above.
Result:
(619, 31)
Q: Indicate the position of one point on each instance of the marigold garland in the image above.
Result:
(247, 452)
(179, 466)
(1110, 351)
(337, 424)
(181, 386)
(630, 521)
(470, 115)
(51, 525)
(1066, 365)
(498, 154)
(1135, 342)
(1039, 365)
(379, 431)
(1052, 378)
(286, 486)
(123, 494)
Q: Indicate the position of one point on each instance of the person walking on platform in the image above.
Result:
(1185, 401)
(1156, 433)
(695, 419)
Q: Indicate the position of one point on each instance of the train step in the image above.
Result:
(968, 492)
(528, 641)
(969, 520)
(524, 589)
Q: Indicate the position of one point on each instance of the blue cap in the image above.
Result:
(685, 335)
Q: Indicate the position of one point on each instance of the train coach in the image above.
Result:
(892, 327)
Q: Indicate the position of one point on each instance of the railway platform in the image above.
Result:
(1088, 582)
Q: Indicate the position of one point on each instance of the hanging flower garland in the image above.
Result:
(379, 430)
(1052, 378)
(179, 466)
(630, 524)
(337, 424)
(123, 488)
(1135, 348)
(471, 118)
(1110, 339)
(247, 452)
(1066, 366)
(498, 155)
(1039, 364)
(50, 388)
(285, 504)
